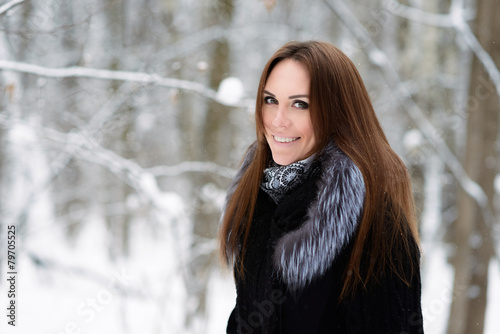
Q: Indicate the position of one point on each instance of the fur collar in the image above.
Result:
(332, 219)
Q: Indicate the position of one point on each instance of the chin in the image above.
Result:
(283, 161)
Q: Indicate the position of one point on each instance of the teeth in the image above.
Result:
(285, 140)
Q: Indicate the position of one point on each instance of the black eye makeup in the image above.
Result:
(270, 100)
(300, 104)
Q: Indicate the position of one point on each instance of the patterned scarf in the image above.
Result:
(278, 180)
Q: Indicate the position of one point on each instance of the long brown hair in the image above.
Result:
(341, 110)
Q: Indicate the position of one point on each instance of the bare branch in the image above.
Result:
(143, 180)
(9, 5)
(380, 59)
(83, 72)
(483, 56)
(192, 166)
(94, 130)
(420, 16)
(456, 19)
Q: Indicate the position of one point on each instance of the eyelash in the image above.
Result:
(270, 100)
(302, 104)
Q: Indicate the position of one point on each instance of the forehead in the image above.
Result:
(288, 76)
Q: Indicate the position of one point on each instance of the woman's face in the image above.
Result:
(285, 113)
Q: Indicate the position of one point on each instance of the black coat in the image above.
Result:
(296, 256)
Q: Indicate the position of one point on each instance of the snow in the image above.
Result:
(437, 274)
(492, 320)
(169, 203)
(438, 291)
(230, 91)
(378, 57)
(72, 283)
(412, 139)
(202, 66)
(80, 289)
(223, 295)
(497, 183)
(211, 192)
(437, 283)
(26, 180)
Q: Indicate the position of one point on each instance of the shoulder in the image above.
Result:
(341, 181)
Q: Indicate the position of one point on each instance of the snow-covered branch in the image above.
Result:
(483, 56)
(456, 19)
(418, 15)
(128, 170)
(192, 166)
(146, 78)
(380, 59)
(9, 5)
(143, 180)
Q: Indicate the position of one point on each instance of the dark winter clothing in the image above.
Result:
(297, 252)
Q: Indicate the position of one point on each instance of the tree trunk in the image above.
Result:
(473, 235)
(215, 145)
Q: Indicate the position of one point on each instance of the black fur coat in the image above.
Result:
(296, 256)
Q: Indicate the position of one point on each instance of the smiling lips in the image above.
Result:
(285, 139)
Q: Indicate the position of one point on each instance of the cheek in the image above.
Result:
(310, 132)
(307, 129)
(267, 119)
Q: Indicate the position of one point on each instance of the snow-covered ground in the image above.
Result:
(78, 290)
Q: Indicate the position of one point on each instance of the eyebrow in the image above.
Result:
(290, 97)
(297, 96)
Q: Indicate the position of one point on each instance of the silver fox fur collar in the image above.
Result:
(332, 219)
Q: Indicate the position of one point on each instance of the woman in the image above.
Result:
(319, 222)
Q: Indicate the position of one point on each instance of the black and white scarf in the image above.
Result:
(278, 180)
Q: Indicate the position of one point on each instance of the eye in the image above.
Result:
(270, 100)
(300, 104)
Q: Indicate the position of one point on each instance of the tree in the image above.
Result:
(474, 229)
(121, 104)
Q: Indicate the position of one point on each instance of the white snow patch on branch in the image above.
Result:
(92, 73)
(9, 5)
(230, 91)
(193, 166)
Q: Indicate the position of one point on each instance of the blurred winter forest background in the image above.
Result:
(122, 123)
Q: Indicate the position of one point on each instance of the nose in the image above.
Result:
(281, 118)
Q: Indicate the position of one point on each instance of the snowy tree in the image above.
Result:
(123, 122)
(475, 227)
